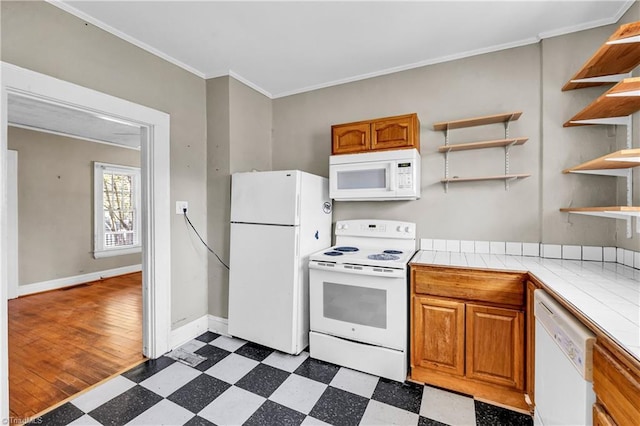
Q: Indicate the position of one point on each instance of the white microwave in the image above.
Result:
(375, 176)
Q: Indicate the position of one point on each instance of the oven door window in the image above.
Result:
(356, 305)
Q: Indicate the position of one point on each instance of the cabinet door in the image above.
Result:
(350, 138)
(438, 335)
(495, 345)
(396, 132)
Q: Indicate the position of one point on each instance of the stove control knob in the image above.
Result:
(407, 229)
(399, 229)
(345, 226)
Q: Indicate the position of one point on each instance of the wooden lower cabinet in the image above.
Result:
(469, 345)
(495, 345)
(616, 383)
(441, 348)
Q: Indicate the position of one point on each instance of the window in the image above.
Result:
(117, 210)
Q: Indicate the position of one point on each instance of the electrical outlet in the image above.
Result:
(181, 206)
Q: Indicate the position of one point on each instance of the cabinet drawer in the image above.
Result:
(502, 288)
(616, 386)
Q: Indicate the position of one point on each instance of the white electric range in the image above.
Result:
(358, 297)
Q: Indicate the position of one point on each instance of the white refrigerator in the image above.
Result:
(278, 219)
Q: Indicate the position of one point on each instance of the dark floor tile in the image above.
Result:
(423, 421)
(125, 406)
(198, 393)
(271, 413)
(487, 414)
(213, 355)
(407, 396)
(263, 380)
(317, 370)
(199, 421)
(339, 407)
(148, 368)
(207, 337)
(62, 415)
(254, 351)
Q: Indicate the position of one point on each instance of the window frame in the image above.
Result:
(99, 248)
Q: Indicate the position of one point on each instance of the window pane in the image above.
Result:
(119, 210)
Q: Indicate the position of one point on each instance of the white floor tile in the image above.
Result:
(286, 362)
(232, 368)
(447, 407)
(233, 407)
(85, 420)
(378, 413)
(298, 393)
(164, 412)
(312, 421)
(102, 393)
(228, 343)
(170, 379)
(362, 384)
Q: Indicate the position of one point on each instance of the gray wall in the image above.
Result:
(488, 84)
(239, 123)
(55, 204)
(529, 79)
(43, 38)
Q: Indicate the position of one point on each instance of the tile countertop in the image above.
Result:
(606, 293)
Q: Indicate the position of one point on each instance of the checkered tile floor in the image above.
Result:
(244, 383)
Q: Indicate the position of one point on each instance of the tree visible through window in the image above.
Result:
(117, 213)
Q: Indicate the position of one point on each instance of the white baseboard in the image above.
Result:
(188, 332)
(23, 290)
(218, 325)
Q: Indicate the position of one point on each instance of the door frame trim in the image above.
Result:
(156, 241)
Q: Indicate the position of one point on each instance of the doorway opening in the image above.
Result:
(155, 202)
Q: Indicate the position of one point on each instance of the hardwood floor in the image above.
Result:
(64, 341)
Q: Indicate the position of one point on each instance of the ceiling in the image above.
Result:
(36, 114)
(287, 47)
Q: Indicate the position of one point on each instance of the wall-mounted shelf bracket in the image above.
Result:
(619, 121)
(616, 78)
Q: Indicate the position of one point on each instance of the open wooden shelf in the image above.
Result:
(480, 178)
(623, 159)
(615, 212)
(619, 55)
(477, 121)
(621, 100)
(482, 144)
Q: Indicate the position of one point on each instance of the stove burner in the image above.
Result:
(346, 249)
(333, 253)
(392, 252)
(383, 256)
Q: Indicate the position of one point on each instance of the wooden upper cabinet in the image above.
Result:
(487, 328)
(439, 335)
(351, 138)
(398, 132)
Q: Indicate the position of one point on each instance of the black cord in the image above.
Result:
(205, 244)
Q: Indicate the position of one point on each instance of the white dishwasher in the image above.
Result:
(563, 365)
